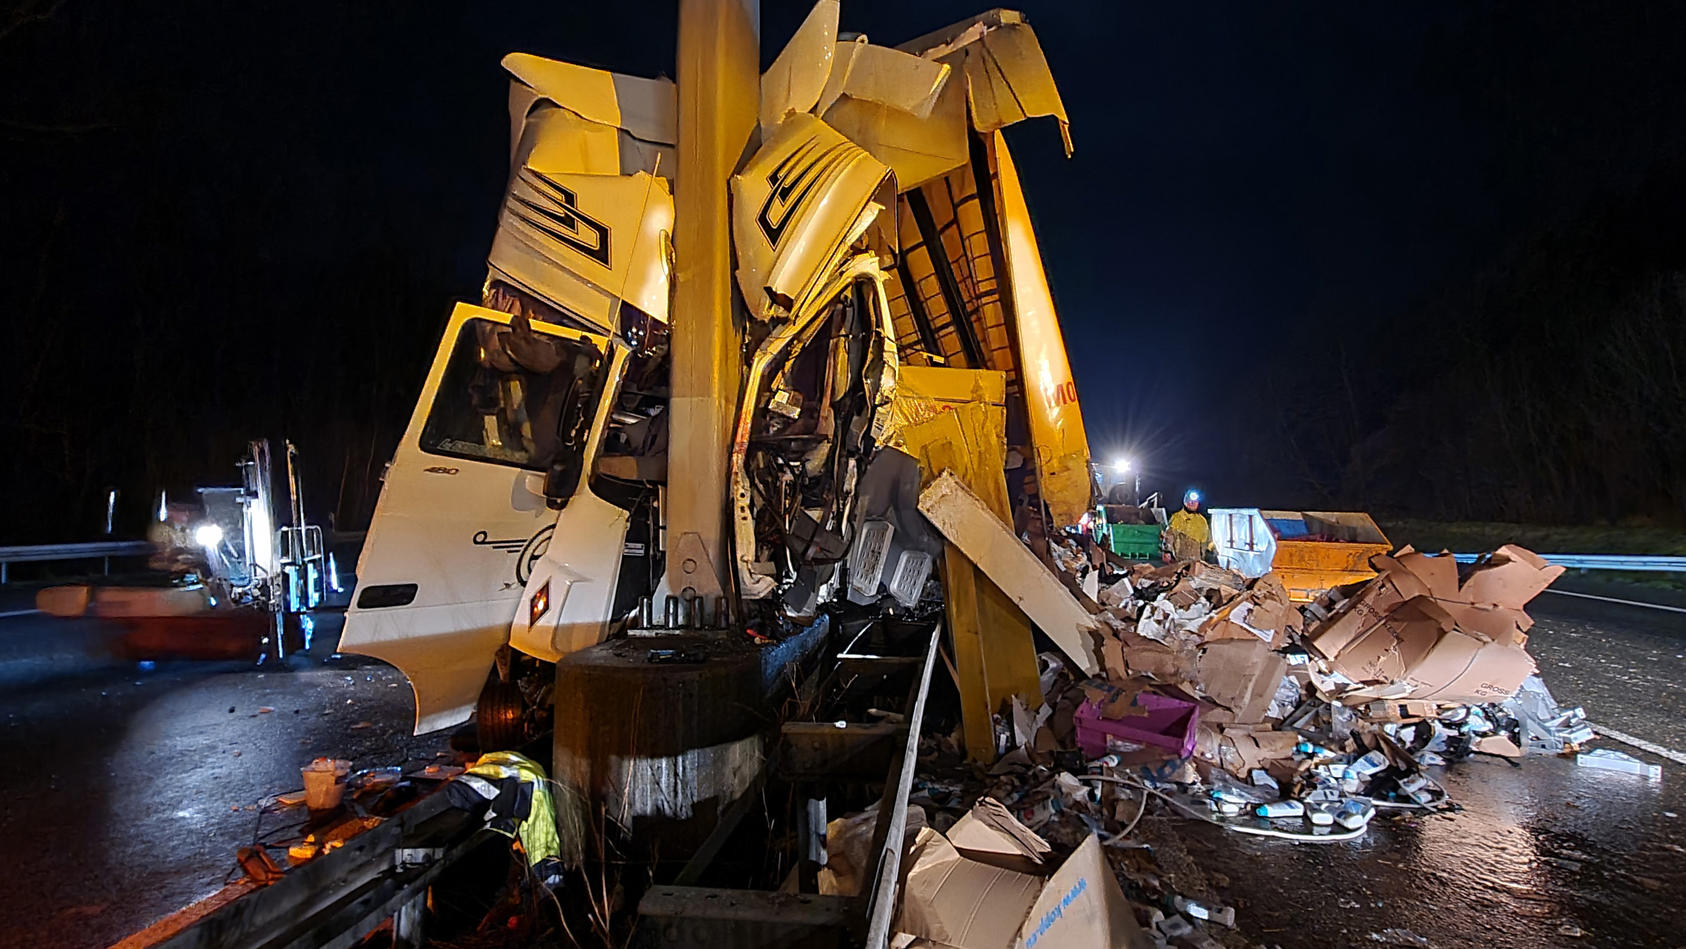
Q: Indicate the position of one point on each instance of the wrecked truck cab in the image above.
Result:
(879, 213)
(502, 450)
(506, 424)
(808, 214)
(811, 417)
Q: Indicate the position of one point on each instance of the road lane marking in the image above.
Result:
(1640, 743)
(19, 613)
(1611, 599)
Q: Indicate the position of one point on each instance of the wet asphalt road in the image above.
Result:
(127, 792)
(1543, 854)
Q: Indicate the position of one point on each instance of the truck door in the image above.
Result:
(506, 417)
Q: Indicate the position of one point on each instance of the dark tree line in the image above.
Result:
(209, 236)
(1550, 387)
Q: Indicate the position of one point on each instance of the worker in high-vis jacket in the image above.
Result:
(1188, 536)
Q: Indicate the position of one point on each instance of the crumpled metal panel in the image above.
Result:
(1007, 75)
(583, 243)
(796, 207)
(1056, 419)
(806, 64)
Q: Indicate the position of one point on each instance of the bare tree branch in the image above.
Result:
(30, 11)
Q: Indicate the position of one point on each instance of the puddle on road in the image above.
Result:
(1543, 854)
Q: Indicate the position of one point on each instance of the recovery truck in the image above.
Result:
(233, 576)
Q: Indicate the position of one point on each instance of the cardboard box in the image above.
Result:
(1365, 608)
(989, 833)
(1462, 669)
(1416, 632)
(953, 899)
(1167, 723)
(1509, 576)
(1243, 749)
(1241, 675)
(1410, 710)
(1127, 654)
(1263, 612)
(1419, 652)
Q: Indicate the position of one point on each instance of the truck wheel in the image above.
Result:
(500, 717)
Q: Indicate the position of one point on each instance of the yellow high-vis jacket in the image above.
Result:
(1190, 536)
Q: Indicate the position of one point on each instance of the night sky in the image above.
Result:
(231, 220)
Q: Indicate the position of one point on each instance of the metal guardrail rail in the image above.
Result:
(814, 752)
(1633, 562)
(881, 909)
(43, 553)
(335, 900)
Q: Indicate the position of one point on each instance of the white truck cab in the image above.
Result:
(491, 466)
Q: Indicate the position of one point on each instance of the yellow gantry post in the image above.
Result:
(719, 91)
(954, 420)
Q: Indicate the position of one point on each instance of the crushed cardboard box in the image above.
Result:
(977, 899)
(848, 847)
(1241, 675)
(1263, 612)
(1416, 633)
(1220, 696)
(1241, 750)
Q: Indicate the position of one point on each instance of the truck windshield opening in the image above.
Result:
(514, 396)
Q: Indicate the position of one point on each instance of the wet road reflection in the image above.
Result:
(1543, 854)
(129, 789)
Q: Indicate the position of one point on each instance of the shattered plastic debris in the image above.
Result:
(1606, 759)
(1220, 701)
(1542, 727)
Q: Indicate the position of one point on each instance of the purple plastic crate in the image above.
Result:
(1169, 724)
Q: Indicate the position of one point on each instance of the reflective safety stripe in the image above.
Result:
(480, 785)
(525, 806)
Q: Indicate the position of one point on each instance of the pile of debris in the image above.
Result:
(1225, 702)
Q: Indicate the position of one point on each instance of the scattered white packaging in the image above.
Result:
(1605, 759)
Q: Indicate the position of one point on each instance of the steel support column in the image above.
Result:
(719, 96)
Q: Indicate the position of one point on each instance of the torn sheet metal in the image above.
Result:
(586, 223)
(775, 403)
(916, 148)
(970, 525)
(797, 205)
(648, 109)
(1056, 420)
(584, 243)
(886, 77)
(794, 82)
(955, 420)
(1006, 73)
